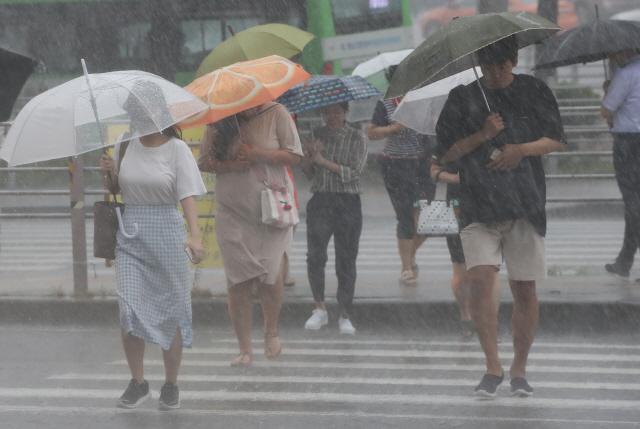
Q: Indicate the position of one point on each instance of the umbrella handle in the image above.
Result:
(135, 225)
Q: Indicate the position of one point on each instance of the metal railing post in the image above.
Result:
(78, 227)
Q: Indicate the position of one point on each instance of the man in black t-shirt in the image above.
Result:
(502, 196)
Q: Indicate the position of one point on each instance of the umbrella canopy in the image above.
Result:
(62, 122)
(15, 69)
(324, 90)
(374, 69)
(420, 109)
(630, 15)
(447, 51)
(590, 42)
(254, 43)
(244, 85)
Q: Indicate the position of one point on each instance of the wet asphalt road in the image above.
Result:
(71, 377)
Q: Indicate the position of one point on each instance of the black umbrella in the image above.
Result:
(590, 42)
(15, 68)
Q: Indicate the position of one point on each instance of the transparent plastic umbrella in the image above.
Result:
(62, 122)
(420, 109)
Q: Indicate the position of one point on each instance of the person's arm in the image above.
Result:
(439, 174)
(512, 154)
(492, 126)
(375, 132)
(190, 210)
(346, 173)
(209, 164)
(276, 157)
(108, 165)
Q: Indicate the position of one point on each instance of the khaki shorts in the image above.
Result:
(514, 242)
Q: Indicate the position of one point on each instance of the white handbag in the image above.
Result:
(278, 206)
(437, 218)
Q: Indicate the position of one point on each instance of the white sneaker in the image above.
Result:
(318, 319)
(346, 327)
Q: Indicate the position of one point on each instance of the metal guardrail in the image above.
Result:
(77, 192)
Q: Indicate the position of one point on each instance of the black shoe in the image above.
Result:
(617, 270)
(169, 397)
(135, 395)
(489, 385)
(520, 388)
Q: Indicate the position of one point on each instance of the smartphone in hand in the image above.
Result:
(190, 254)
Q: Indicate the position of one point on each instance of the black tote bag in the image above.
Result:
(105, 218)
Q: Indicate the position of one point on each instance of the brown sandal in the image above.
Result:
(240, 361)
(268, 351)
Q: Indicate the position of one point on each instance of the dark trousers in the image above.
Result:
(339, 215)
(626, 162)
(407, 181)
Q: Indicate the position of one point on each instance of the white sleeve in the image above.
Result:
(188, 178)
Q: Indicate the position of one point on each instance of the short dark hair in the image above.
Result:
(499, 52)
(388, 73)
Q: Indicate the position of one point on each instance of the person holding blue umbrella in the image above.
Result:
(334, 161)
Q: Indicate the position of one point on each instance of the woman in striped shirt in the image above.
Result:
(334, 160)
(406, 172)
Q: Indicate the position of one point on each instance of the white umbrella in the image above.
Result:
(420, 109)
(630, 15)
(380, 63)
(61, 122)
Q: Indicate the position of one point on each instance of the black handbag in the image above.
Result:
(105, 219)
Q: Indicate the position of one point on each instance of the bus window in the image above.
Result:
(357, 16)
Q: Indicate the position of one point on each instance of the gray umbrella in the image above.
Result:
(590, 42)
(15, 68)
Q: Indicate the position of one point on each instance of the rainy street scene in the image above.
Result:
(319, 213)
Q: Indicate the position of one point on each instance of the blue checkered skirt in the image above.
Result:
(152, 270)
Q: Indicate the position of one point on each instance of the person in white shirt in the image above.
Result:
(156, 173)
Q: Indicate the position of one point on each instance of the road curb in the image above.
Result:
(563, 317)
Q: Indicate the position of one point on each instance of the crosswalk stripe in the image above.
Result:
(427, 353)
(327, 397)
(392, 366)
(439, 343)
(31, 409)
(385, 381)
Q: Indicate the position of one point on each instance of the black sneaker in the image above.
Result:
(617, 270)
(520, 388)
(169, 397)
(135, 395)
(489, 385)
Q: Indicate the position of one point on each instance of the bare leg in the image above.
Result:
(497, 290)
(240, 299)
(320, 306)
(523, 323)
(485, 314)
(405, 249)
(418, 240)
(172, 359)
(271, 299)
(134, 351)
(460, 287)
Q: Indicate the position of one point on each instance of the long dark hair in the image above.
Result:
(226, 132)
(172, 131)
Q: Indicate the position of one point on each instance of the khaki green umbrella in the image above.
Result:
(449, 50)
(255, 43)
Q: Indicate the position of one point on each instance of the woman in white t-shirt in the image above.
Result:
(157, 172)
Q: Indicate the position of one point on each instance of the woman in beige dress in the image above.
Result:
(252, 252)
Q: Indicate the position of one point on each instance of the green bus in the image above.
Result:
(351, 30)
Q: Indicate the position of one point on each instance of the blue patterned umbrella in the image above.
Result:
(324, 90)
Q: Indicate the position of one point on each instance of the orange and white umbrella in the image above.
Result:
(230, 90)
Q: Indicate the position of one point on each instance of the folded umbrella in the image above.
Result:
(590, 42)
(15, 69)
(449, 50)
(420, 109)
(323, 90)
(244, 85)
(254, 43)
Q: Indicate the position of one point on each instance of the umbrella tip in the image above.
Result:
(231, 30)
